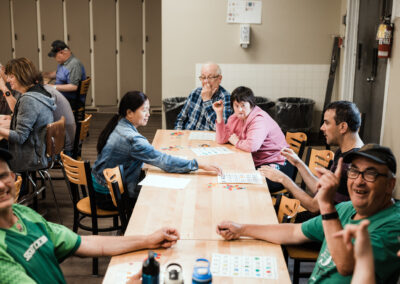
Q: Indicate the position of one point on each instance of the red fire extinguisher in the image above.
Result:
(384, 37)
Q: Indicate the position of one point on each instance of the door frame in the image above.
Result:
(350, 57)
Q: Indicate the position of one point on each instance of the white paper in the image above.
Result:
(202, 136)
(209, 151)
(244, 12)
(121, 273)
(262, 267)
(252, 178)
(165, 182)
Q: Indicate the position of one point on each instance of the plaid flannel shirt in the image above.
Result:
(199, 115)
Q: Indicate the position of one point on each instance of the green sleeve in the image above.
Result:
(313, 229)
(12, 272)
(65, 241)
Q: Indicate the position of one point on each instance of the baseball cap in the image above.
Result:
(375, 152)
(57, 46)
(5, 155)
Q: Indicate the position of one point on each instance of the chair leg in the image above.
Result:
(95, 268)
(296, 271)
(76, 220)
(47, 175)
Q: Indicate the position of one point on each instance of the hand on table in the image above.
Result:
(210, 168)
(207, 92)
(165, 237)
(135, 279)
(233, 139)
(229, 230)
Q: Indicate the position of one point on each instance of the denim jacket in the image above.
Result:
(127, 147)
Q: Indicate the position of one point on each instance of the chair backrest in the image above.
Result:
(112, 175)
(55, 137)
(74, 170)
(288, 208)
(85, 124)
(18, 184)
(318, 158)
(79, 173)
(116, 187)
(84, 86)
(82, 129)
(297, 142)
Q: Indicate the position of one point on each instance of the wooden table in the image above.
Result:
(196, 210)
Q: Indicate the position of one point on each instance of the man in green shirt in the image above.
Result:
(371, 180)
(32, 248)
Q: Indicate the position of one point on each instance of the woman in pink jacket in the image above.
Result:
(252, 130)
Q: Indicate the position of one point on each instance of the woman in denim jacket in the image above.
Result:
(121, 144)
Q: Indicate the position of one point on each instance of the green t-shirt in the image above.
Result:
(31, 250)
(384, 230)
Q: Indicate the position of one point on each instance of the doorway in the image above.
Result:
(370, 71)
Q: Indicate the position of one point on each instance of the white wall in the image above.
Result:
(293, 32)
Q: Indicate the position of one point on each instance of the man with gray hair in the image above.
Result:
(197, 113)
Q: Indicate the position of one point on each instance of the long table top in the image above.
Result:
(196, 210)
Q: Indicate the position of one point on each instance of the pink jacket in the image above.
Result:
(258, 134)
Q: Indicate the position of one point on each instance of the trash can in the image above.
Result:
(172, 107)
(294, 114)
(266, 105)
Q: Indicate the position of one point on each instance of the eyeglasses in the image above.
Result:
(367, 175)
(209, 78)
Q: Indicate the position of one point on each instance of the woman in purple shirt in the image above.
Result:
(252, 130)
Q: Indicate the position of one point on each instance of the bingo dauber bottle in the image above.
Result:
(201, 272)
(151, 270)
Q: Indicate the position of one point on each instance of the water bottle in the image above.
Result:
(151, 270)
(173, 274)
(201, 272)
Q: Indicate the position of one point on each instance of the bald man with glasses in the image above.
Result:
(197, 113)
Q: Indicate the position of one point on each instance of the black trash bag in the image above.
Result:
(172, 107)
(266, 105)
(294, 114)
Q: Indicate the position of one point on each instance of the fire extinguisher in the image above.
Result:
(384, 37)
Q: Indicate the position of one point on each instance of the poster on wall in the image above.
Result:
(244, 12)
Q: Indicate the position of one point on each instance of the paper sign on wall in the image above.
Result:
(244, 12)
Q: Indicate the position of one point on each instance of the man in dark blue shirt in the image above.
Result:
(70, 72)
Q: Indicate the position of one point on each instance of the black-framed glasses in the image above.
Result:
(209, 78)
(367, 175)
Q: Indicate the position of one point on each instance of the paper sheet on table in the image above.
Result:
(252, 178)
(121, 273)
(202, 136)
(165, 182)
(262, 267)
(209, 151)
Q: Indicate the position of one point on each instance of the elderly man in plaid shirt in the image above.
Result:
(197, 113)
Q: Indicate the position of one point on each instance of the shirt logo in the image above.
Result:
(34, 247)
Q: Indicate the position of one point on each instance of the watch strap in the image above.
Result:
(330, 216)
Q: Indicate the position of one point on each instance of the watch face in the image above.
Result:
(8, 94)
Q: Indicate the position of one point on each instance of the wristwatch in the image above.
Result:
(330, 216)
(8, 93)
